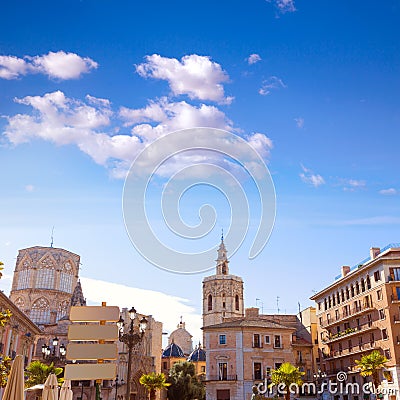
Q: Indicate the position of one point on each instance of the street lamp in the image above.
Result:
(117, 384)
(51, 355)
(319, 376)
(131, 339)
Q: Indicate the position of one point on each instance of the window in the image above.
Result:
(352, 290)
(237, 303)
(350, 346)
(257, 370)
(40, 313)
(338, 297)
(387, 354)
(379, 294)
(277, 365)
(66, 282)
(346, 325)
(377, 276)
(382, 314)
(357, 288)
(165, 365)
(256, 340)
(368, 282)
(209, 302)
(222, 371)
(395, 274)
(45, 278)
(337, 314)
(268, 371)
(277, 341)
(371, 337)
(362, 285)
(222, 339)
(24, 277)
(329, 302)
(325, 305)
(384, 334)
(267, 339)
(319, 306)
(347, 293)
(203, 369)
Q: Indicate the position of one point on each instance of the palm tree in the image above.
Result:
(371, 364)
(287, 374)
(153, 382)
(37, 372)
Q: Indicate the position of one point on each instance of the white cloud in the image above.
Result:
(12, 67)
(91, 126)
(29, 188)
(299, 122)
(59, 65)
(309, 177)
(284, 6)
(351, 185)
(253, 59)
(194, 75)
(388, 192)
(163, 307)
(272, 83)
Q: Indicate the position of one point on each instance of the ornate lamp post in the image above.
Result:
(51, 355)
(319, 376)
(131, 339)
(116, 386)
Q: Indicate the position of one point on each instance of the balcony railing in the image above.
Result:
(222, 378)
(342, 316)
(348, 332)
(348, 352)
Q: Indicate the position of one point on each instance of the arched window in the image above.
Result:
(347, 293)
(40, 313)
(338, 297)
(223, 300)
(352, 290)
(66, 278)
(24, 277)
(368, 282)
(20, 303)
(224, 269)
(362, 285)
(62, 309)
(237, 303)
(209, 302)
(357, 288)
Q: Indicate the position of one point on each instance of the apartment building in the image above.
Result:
(358, 313)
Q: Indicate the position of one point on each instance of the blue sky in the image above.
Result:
(318, 81)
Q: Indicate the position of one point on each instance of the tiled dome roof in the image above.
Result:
(198, 354)
(173, 350)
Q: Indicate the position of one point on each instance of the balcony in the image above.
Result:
(349, 352)
(345, 316)
(221, 378)
(349, 332)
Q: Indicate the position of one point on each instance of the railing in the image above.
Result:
(354, 350)
(222, 378)
(346, 315)
(348, 332)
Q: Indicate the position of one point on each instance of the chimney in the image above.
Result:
(345, 270)
(251, 312)
(374, 252)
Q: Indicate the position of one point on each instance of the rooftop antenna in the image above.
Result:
(52, 237)
(300, 314)
(277, 303)
(262, 305)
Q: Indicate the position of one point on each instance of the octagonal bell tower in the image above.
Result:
(222, 292)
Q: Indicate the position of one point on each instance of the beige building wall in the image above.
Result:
(359, 313)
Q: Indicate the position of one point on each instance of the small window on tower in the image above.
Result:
(237, 303)
(209, 302)
(224, 269)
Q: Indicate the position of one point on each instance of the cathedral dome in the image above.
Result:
(173, 350)
(198, 354)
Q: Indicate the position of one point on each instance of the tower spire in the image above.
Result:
(222, 260)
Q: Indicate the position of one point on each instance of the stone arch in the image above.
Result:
(20, 303)
(40, 312)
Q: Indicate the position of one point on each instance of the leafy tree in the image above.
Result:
(371, 364)
(287, 374)
(37, 373)
(5, 367)
(153, 382)
(1, 269)
(185, 385)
